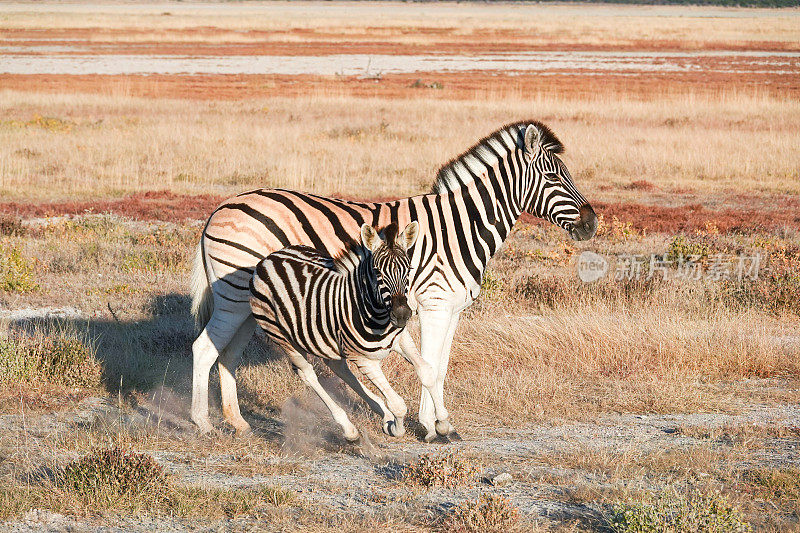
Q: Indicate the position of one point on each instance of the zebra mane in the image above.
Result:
(462, 169)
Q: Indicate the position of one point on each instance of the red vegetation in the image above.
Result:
(151, 205)
(454, 85)
(653, 218)
(172, 207)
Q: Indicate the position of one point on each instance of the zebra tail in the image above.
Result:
(202, 297)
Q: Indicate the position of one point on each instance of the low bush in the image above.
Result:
(115, 472)
(488, 513)
(672, 511)
(450, 470)
(16, 271)
(58, 356)
(11, 226)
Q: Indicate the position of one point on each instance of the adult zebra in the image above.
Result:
(476, 200)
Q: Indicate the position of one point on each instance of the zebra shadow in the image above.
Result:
(147, 364)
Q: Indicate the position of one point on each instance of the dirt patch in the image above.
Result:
(548, 463)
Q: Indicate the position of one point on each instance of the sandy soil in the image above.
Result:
(366, 479)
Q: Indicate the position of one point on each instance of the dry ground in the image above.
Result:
(589, 395)
(632, 387)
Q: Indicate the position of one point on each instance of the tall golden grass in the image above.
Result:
(57, 146)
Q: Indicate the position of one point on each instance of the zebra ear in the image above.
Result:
(370, 237)
(532, 139)
(409, 236)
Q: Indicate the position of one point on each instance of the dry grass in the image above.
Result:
(118, 144)
(50, 353)
(488, 513)
(683, 27)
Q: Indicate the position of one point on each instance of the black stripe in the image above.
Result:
(259, 216)
(299, 215)
(446, 238)
(228, 263)
(336, 221)
(236, 245)
(463, 246)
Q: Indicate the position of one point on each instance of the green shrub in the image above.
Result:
(16, 271)
(60, 357)
(157, 260)
(450, 469)
(673, 512)
(681, 246)
(488, 513)
(491, 286)
(115, 471)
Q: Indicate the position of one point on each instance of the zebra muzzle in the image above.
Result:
(584, 228)
(400, 312)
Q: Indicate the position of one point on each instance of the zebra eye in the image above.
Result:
(552, 177)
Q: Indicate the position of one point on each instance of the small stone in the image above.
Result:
(501, 479)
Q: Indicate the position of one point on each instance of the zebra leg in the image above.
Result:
(390, 425)
(205, 350)
(435, 325)
(228, 363)
(443, 426)
(426, 374)
(373, 371)
(309, 377)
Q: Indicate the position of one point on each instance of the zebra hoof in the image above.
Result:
(434, 437)
(204, 427)
(354, 438)
(243, 431)
(394, 428)
(444, 428)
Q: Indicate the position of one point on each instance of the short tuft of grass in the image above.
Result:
(673, 511)
(451, 469)
(56, 355)
(488, 513)
(250, 502)
(115, 473)
(777, 483)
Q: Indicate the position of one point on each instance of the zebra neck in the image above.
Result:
(369, 306)
(491, 211)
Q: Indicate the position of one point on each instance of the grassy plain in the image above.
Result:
(595, 397)
(417, 25)
(688, 149)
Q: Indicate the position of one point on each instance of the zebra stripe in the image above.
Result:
(349, 308)
(474, 203)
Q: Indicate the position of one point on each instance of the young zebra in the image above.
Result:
(349, 309)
